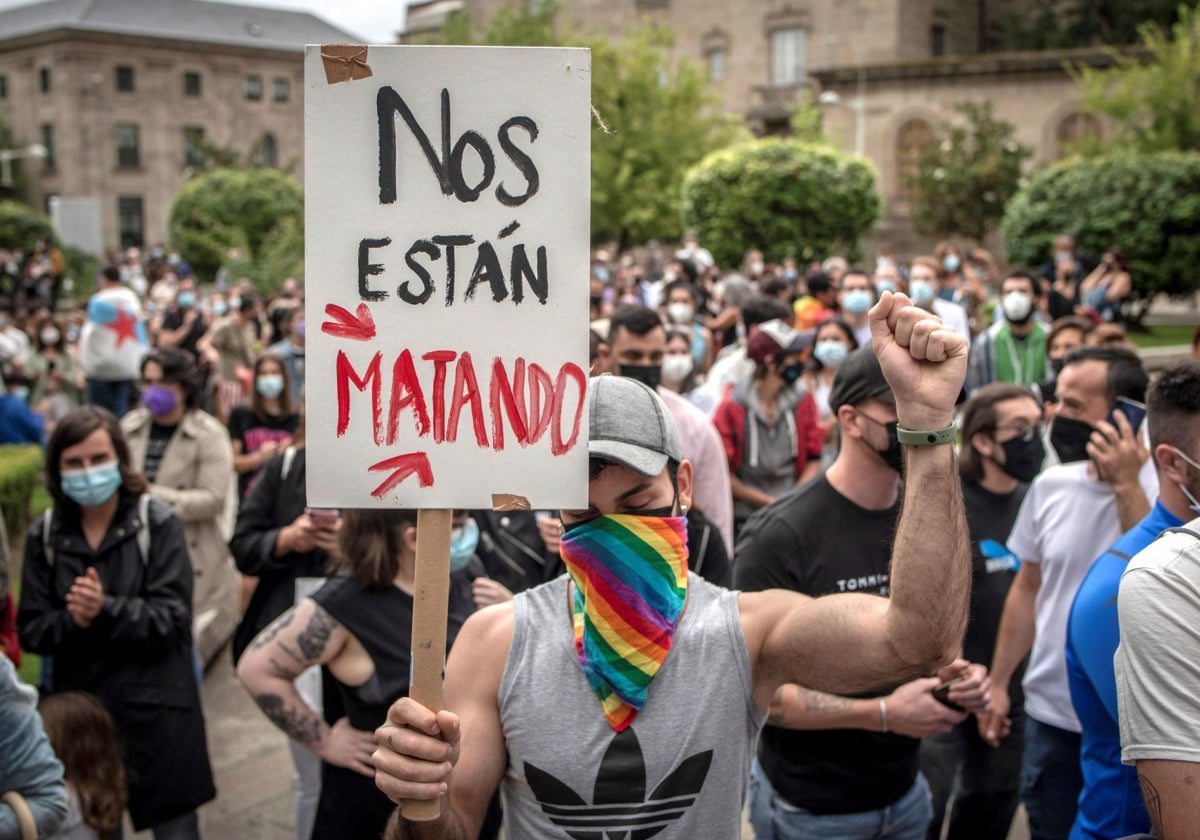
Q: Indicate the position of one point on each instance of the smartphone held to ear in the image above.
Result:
(1134, 411)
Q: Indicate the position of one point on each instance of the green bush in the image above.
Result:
(250, 209)
(20, 474)
(21, 227)
(1146, 205)
(784, 197)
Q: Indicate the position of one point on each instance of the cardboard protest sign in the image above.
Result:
(446, 268)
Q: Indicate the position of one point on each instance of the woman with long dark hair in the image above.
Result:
(265, 423)
(358, 625)
(107, 591)
(84, 737)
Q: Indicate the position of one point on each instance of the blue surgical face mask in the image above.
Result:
(219, 308)
(92, 486)
(463, 541)
(857, 301)
(885, 286)
(951, 262)
(269, 385)
(830, 352)
(921, 292)
(186, 300)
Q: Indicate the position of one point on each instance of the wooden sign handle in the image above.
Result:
(431, 595)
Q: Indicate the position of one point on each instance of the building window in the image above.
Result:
(716, 65)
(787, 56)
(124, 79)
(911, 140)
(131, 221)
(268, 151)
(128, 146)
(44, 80)
(281, 90)
(252, 88)
(48, 162)
(3, 87)
(191, 84)
(193, 146)
(1073, 132)
(937, 39)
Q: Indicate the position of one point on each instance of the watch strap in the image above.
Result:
(909, 437)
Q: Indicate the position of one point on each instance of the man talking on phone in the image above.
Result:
(1072, 513)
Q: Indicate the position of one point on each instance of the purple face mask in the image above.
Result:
(161, 401)
(299, 327)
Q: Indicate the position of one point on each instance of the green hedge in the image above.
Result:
(1147, 205)
(20, 475)
(785, 197)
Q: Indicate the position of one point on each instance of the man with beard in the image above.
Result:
(1111, 803)
(559, 695)
(1072, 512)
(1001, 453)
(1014, 349)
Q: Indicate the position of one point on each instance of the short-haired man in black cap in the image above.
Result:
(566, 699)
(832, 765)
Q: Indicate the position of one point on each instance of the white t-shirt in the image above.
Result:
(1158, 662)
(113, 339)
(954, 317)
(1066, 521)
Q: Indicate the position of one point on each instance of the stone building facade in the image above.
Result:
(891, 72)
(121, 91)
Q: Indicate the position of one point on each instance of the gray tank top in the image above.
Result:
(678, 771)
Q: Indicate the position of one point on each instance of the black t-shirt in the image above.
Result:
(816, 541)
(254, 431)
(173, 320)
(990, 519)
(160, 436)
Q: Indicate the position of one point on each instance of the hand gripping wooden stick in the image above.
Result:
(430, 600)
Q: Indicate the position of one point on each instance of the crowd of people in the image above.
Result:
(926, 480)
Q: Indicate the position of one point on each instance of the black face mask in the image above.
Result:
(1056, 365)
(648, 375)
(792, 372)
(1023, 458)
(893, 456)
(1069, 439)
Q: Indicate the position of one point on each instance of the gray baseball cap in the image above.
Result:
(859, 378)
(630, 425)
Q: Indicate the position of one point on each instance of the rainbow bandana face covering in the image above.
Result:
(630, 575)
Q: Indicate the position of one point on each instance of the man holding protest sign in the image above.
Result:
(571, 733)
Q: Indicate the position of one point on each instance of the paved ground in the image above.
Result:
(253, 768)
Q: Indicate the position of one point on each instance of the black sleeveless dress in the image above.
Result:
(351, 807)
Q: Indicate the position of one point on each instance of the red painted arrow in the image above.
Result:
(359, 326)
(403, 466)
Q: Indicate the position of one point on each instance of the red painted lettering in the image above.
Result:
(346, 375)
(440, 359)
(466, 389)
(406, 393)
(557, 445)
(512, 396)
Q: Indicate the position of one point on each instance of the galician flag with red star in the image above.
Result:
(114, 337)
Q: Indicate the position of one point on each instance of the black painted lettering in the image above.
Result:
(462, 191)
(449, 242)
(487, 269)
(388, 104)
(421, 246)
(522, 161)
(522, 271)
(367, 269)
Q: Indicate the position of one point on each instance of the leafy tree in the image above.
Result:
(966, 176)
(1155, 103)
(1053, 24)
(258, 212)
(22, 227)
(784, 197)
(1146, 205)
(655, 117)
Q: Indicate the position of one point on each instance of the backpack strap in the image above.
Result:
(1181, 530)
(289, 455)
(47, 551)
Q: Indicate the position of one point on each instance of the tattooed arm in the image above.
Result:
(1168, 789)
(910, 710)
(305, 635)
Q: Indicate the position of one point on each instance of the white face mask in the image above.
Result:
(1194, 503)
(681, 313)
(1016, 306)
(676, 368)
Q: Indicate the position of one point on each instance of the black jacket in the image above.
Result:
(274, 502)
(137, 654)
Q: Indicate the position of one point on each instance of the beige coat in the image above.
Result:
(194, 478)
